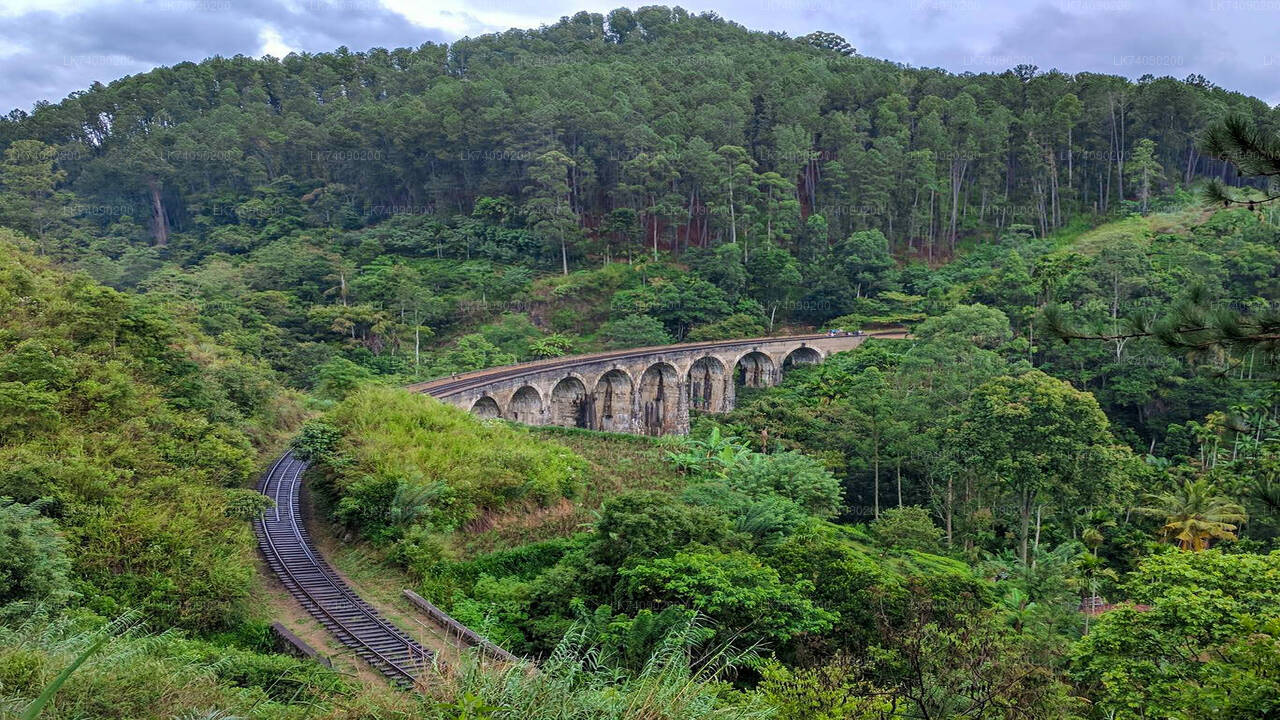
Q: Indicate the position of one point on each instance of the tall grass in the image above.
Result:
(454, 464)
(119, 669)
(577, 683)
(143, 676)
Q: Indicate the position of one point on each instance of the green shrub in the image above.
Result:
(735, 326)
(33, 556)
(410, 459)
(634, 331)
(791, 475)
(907, 528)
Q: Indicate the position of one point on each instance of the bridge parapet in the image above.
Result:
(643, 391)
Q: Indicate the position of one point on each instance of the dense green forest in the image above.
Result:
(203, 263)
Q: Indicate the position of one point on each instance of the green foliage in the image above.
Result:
(829, 692)
(907, 528)
(678, 302)
(648, 525)
(551, 346)
(743, 598)
(1194, 515)
(247, 504)
(573, 683)
(790, 475)
(829, 190)
(1198, 645)
(1037, 441)
(339, 377)
(399, 451)
(134, 436)
(738, 325)
(317, 441)
(33, 556)
(634, 331)
(981, 326)
(87, 668)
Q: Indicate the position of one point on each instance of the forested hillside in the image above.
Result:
(1057, 499)
(348, 215)
(655, 128)
(128, 442)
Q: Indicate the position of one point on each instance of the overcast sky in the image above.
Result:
(49, 48)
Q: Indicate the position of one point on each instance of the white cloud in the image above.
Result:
(273, 44)
(1230, 41)
(459, 19)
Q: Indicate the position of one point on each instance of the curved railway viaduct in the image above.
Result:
(644, 390)
(647, 391)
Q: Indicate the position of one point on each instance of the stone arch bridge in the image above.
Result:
(645, 391)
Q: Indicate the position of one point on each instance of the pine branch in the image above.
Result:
(1237, 141)
(1215, 192)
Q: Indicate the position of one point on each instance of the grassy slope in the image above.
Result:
(608, 464)
(615, 464)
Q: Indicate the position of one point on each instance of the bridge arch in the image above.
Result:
(658, 400)
(526, 406)
(706, 384)
(803, 355)
(611, 382)
(569, 405)
(486, 408)
(611, 401)
(755, 369)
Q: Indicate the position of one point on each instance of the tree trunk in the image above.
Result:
(899, 482)
(1024, 530)
(1069, 157)
(733, 222)
(1036, 546)
(417, 343)
(951, 500)
(157, 208)
(876, 463)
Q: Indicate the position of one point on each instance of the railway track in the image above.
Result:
(293, 558)
(318, 589)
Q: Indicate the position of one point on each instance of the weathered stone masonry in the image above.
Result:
(646, 392)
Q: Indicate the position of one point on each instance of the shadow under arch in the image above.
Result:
(801, 356)
(569, 405)
(755, 369)
(486, 408)
(611, 402)
(658, 399)
(526, 406)
(707, 385)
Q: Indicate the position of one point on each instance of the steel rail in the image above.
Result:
(314, 584)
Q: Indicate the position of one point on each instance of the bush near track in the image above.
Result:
(127, 438)
(398, 465)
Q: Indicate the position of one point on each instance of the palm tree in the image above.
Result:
(1194, 515)
(1091, 524)
(716, 454)
(1092, 569)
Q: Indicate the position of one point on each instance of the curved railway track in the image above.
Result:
(290, 554)
(318, 589)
